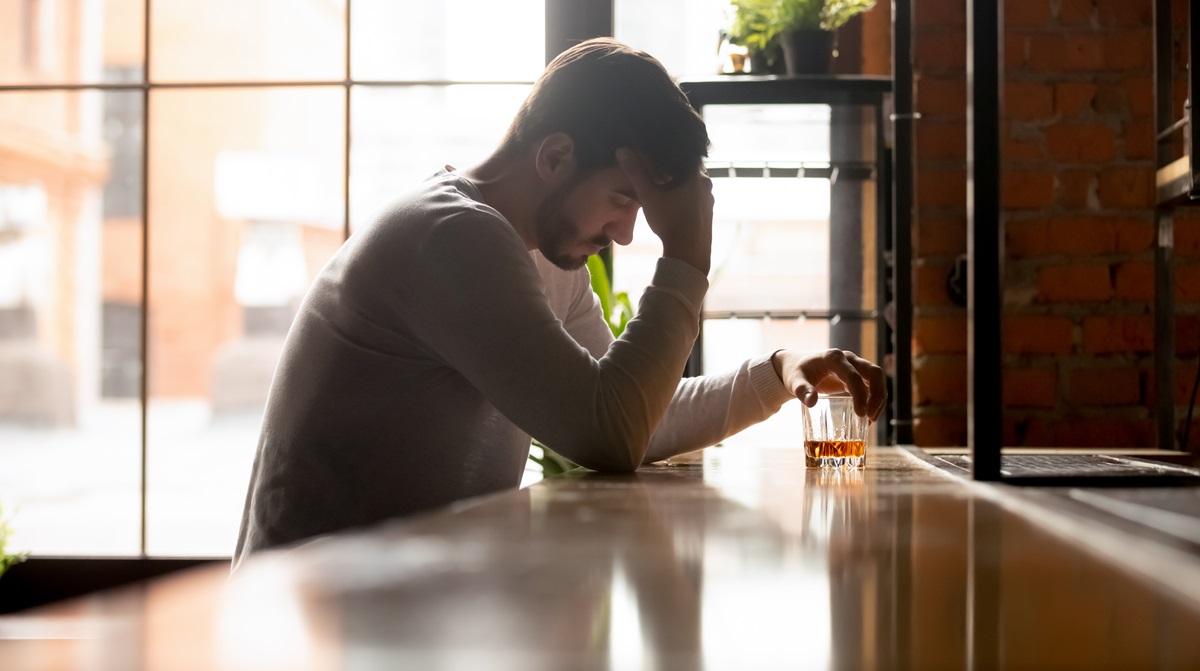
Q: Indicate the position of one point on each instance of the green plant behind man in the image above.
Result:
(756, 24)
(7, 560)
(836, 13)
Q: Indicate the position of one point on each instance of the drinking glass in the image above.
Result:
(834, 436)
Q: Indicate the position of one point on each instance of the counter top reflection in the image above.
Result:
(736, 558)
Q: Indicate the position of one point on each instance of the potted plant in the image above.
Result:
(7, 560)
(805, 30)
(753, 25)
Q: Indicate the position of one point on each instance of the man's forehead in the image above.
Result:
(615, 179)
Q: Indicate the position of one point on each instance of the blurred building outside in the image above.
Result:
(245, 205)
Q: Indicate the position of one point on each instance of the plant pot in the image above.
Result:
(767, 62)
(807, 52)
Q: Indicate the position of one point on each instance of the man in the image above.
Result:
(461, 322)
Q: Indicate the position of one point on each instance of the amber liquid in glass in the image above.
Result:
(828, 452)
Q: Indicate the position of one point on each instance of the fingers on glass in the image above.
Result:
(855, 384)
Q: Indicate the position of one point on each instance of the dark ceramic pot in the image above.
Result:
(767, 62)
(807, 52)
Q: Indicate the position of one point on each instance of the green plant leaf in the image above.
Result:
(599, 273)
(799, 14)
(552, 463)
(7, 560)
(837, 12)
(756, 24)
(617, 308)
(623, 314)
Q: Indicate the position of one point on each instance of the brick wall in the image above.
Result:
(1078, 198)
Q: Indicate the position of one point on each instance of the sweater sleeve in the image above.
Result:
(704, 410)
(708, 409)
(477, 302)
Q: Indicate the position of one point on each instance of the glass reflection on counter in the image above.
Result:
(834, 502)
(263, 628)
(762, 595)
(827, 592)
(666, 569)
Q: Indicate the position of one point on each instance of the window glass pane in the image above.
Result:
(683, 34)
(401, 135)
(770, 253)
(70, 320)
(245, 207)
(61, 42)
(247, 40)
(452, 40)
(770, 235)
(770, 247)
(756, 134)
(729, 342)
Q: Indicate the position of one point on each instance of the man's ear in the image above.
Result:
(555, 159)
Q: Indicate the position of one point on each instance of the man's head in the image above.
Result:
(605, 95)
(581, 216)
(593, 99)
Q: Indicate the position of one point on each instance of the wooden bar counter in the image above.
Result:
(734, 558)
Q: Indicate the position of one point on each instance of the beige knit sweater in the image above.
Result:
(433, 345)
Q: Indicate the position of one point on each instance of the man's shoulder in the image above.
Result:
(442, 194)
(445, 206)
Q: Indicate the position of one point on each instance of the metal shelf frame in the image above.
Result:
(1176, 182)
(838, 92)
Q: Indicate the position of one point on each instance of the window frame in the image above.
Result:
(566, 23)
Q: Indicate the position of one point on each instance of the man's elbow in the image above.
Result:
(617, 467)
(605, 459)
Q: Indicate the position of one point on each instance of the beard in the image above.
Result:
(558, 234)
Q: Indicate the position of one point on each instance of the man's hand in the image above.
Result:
(679, 212)
(831, 372)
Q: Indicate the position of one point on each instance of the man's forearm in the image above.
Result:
(706, 410)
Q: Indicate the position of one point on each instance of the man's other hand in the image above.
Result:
(833, 371)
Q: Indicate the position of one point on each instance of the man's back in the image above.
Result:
(365, 421)
(427, 352)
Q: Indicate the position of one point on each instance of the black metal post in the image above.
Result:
(347, 91)
(985, 240)
(883, 227)
(845, 229)
(1164, 326)
(1164, 298)
(1193, 140)
(902, 199)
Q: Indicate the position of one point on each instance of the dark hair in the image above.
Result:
(606, 95)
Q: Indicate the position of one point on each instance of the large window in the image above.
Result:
(162, 213)
(163, 209)
(684, 34)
